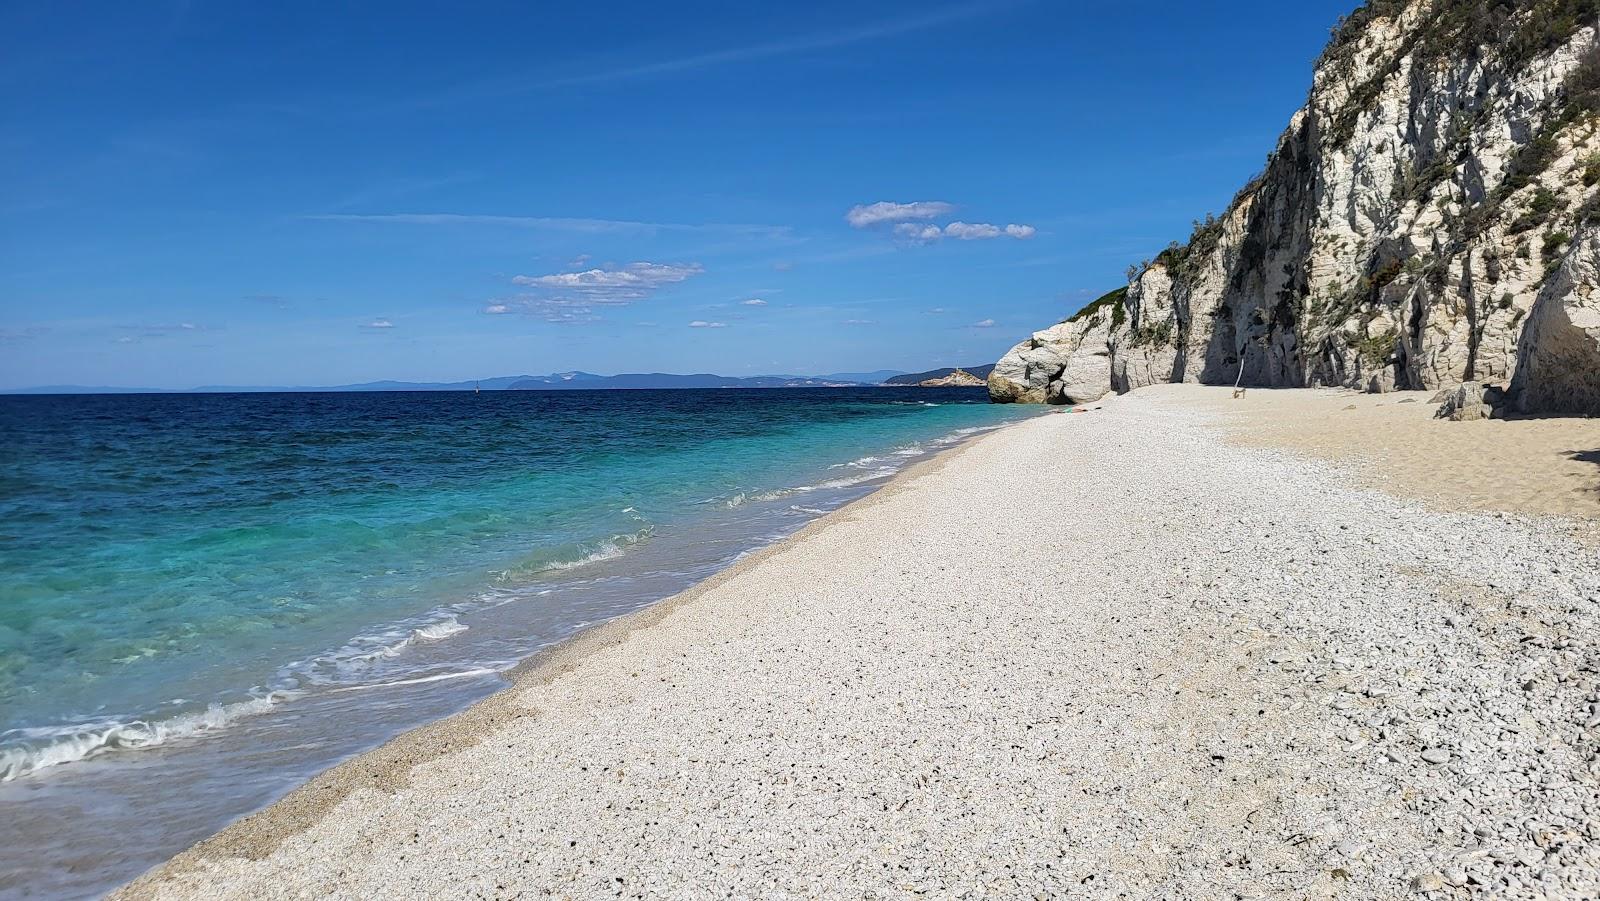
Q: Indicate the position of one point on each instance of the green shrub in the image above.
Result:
(1378, 349)
(1582, 88)
(1590, 211)
(1113, 301)
(1544, 203)
(1553, 242)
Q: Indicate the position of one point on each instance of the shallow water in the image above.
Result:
(205, 599)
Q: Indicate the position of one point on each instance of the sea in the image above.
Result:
(206, 599)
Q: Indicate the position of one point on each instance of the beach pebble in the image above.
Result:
(1033, 672)
(1428, 882)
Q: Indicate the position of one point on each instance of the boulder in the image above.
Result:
(1026, 374)
(1558, 356)
(1472, 401)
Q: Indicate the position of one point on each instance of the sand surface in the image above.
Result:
(1116, 654)
(1392, 442)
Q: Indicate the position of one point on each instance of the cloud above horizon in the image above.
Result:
(574, 296)
(580, 226)
(753, 302)
(701, 323)
(963, 231)
(634, 281)
(870, 214)
(910, 222)
(379, 323)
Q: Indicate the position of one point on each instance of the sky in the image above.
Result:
(201, 192)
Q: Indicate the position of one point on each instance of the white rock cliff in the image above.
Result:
(1414, 228)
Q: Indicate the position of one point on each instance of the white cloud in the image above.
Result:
(574, 296)
(962, 231)
(753, 302)
(17, 336)
(986, 323)
(556, 309)
(632, 282)
(925, 234)
(859, 322)
(870, 214)
(379, 323)
(701, 323)
(974, 231)
(563, 224)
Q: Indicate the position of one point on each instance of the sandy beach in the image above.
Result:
(1179, 646)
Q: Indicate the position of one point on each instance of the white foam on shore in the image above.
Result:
(40, 748)
(358, 665)
(28, 750)
(608, 549)
(423, 680)
(883, 468)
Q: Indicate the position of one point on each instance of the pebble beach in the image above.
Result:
(1117, 653)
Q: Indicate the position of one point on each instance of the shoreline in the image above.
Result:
(257, 834)
(1121, 654)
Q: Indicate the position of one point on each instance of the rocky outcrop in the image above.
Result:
(1472, 401)
(1559, 361)
(1414, 214)
(958, 379)
(1069, 363)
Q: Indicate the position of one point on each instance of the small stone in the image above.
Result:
(1428, 882)
(1436, 755)
(1455, 876)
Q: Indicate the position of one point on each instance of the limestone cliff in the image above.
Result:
(1436, 193)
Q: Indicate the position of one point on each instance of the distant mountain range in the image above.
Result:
(560, 381)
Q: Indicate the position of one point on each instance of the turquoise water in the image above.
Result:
(186, 579)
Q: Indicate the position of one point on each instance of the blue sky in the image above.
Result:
(312, 193)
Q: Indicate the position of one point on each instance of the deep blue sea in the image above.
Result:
(205, 599)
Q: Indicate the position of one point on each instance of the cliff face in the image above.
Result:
(1438, 186)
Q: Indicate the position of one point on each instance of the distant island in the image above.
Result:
(579, 381)
(964, 377)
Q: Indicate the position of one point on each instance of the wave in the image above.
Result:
(378, 658)
(46, 747)
(864, 461)
(884, 467)
(606, 549)
(423, 680)
(24, 751)
(365, 650)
